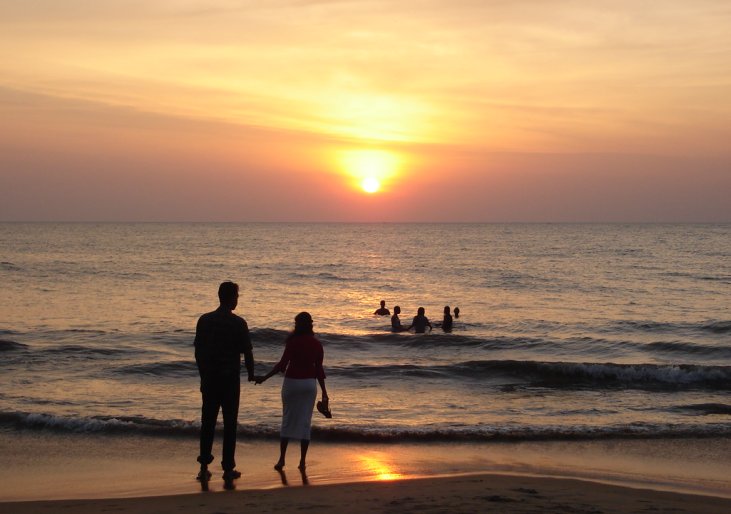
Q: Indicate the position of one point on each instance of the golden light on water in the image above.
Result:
(377, 467)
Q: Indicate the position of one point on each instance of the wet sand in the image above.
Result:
(95, 473)
(476, 493)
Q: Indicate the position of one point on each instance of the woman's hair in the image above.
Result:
(303, 325)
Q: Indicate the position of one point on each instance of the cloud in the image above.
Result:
(262, 91)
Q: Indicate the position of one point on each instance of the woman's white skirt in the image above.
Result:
(298, 401)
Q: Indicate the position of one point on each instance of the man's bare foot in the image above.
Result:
(279, 466)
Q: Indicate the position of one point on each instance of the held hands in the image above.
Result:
(260, 379)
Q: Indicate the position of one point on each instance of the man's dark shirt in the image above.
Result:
(220, 338)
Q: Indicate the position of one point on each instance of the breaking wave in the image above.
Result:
(370, 434)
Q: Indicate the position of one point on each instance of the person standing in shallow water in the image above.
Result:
(420, 322)
(395, 321)
(302, 366)
(382, 311)
(220, 338)
(447, 321)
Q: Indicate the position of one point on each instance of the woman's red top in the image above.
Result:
(302, 358)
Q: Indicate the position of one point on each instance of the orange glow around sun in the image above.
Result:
(369, 169)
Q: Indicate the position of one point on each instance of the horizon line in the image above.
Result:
(381, 222)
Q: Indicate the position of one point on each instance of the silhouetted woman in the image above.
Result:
(302, 366)
(420, 322)
(447, 321)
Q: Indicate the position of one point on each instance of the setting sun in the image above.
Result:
(371, 169)
(370, 185)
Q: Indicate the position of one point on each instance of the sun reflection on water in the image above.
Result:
(376, 466)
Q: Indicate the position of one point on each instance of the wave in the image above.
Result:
(437, 339)
(82, 339)
(718, 327)
(174, 369)
(267, 336)
(562, 374)
(705, 409)
(370, 434)
(325, 276)
(87, 351)
(85, 331)
(714, 326)
(101, 424)
(521, 433)
(695, 276)
(686, 349)
(578, 345)
(9, 266)
(559, 375)
(9, 346)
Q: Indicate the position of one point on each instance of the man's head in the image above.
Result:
(228, 295)
(397, 310)
(383, 303)
(420, 311)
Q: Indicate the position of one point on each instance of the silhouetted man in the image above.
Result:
(220, 338)
(383, 311)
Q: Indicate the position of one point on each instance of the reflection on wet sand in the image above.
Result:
(376, 465)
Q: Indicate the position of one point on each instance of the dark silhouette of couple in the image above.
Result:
(221, 337)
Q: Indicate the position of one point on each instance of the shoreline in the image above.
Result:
(469, 493)
(55, 466)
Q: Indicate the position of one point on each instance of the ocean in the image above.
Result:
(566, 331)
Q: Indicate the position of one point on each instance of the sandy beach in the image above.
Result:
(84, 473)
(474, 493)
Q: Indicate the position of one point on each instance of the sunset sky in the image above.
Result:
(491, 110)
